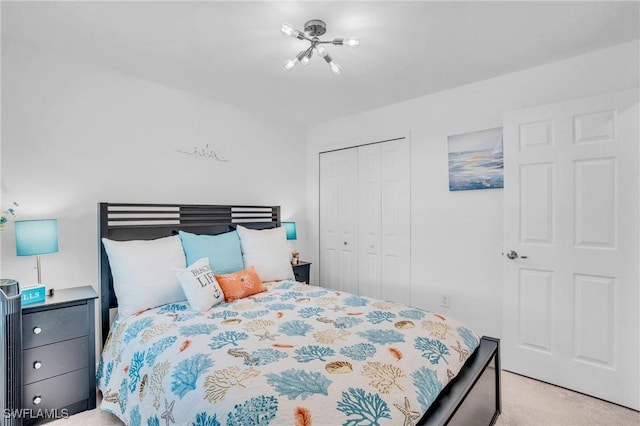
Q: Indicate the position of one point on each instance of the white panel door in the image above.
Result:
(571, 296)
(395, 224)
(338, 220)
(369, 206)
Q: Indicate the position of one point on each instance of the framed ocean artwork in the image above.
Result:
(476, 161)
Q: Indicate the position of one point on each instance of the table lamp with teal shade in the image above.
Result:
(292, 234)
(33, 238)
(290, 227)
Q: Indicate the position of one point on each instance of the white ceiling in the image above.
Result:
(233, 51)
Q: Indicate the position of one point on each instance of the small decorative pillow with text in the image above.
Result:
(240, 284)
(200, 286)
(267, 250)
(142, 272)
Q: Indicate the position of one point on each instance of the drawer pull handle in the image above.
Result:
(37, 400)
(37, 330)
(37, 365)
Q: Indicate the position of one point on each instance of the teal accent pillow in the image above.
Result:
(223, 250)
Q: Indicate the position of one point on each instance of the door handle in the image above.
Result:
(512, 255)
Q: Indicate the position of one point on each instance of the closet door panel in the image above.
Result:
(369, 220)
(395, 224)
(338, 220)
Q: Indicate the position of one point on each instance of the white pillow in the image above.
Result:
(200, 285)
(267, 251)
(142, 272)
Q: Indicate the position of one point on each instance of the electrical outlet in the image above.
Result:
(445, 301)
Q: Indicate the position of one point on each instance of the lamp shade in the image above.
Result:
(290, 227)
(35, 237)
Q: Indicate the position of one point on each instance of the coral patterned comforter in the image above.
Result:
(295, 355)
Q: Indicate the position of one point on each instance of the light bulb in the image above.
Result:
(335, 68)
(290, 63)
(304, 60)
(289, 30)
(322, 51)
(351, 42)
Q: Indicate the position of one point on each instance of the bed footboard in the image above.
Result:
(474, 396)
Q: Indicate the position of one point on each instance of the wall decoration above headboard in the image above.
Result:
(206, 153)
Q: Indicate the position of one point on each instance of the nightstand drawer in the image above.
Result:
(54, 325)
(52, 360)
(57, 392)
(301, 271)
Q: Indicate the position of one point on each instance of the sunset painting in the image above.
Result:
(476, 161)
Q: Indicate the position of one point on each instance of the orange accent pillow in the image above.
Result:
(240, 284)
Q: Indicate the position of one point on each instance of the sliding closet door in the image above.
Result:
(384, 221)
(369, 210)
(338, 220)
(365, 208)
(395, 221)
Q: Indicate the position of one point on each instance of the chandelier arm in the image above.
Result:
(300, 35)
(309, 52)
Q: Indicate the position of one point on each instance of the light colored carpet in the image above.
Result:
(525, 402)
(530, 402)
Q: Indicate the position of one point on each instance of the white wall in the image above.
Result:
(457, 237)
(74, 135)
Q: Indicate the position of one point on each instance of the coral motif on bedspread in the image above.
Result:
(294, 355)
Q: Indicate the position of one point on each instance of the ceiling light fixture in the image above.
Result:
(312, 30)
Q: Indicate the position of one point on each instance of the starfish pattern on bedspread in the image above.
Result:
(168, 412)
(410, 416)
(464, 353)
(267, 335)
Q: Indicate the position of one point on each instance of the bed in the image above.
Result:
(295, 354)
